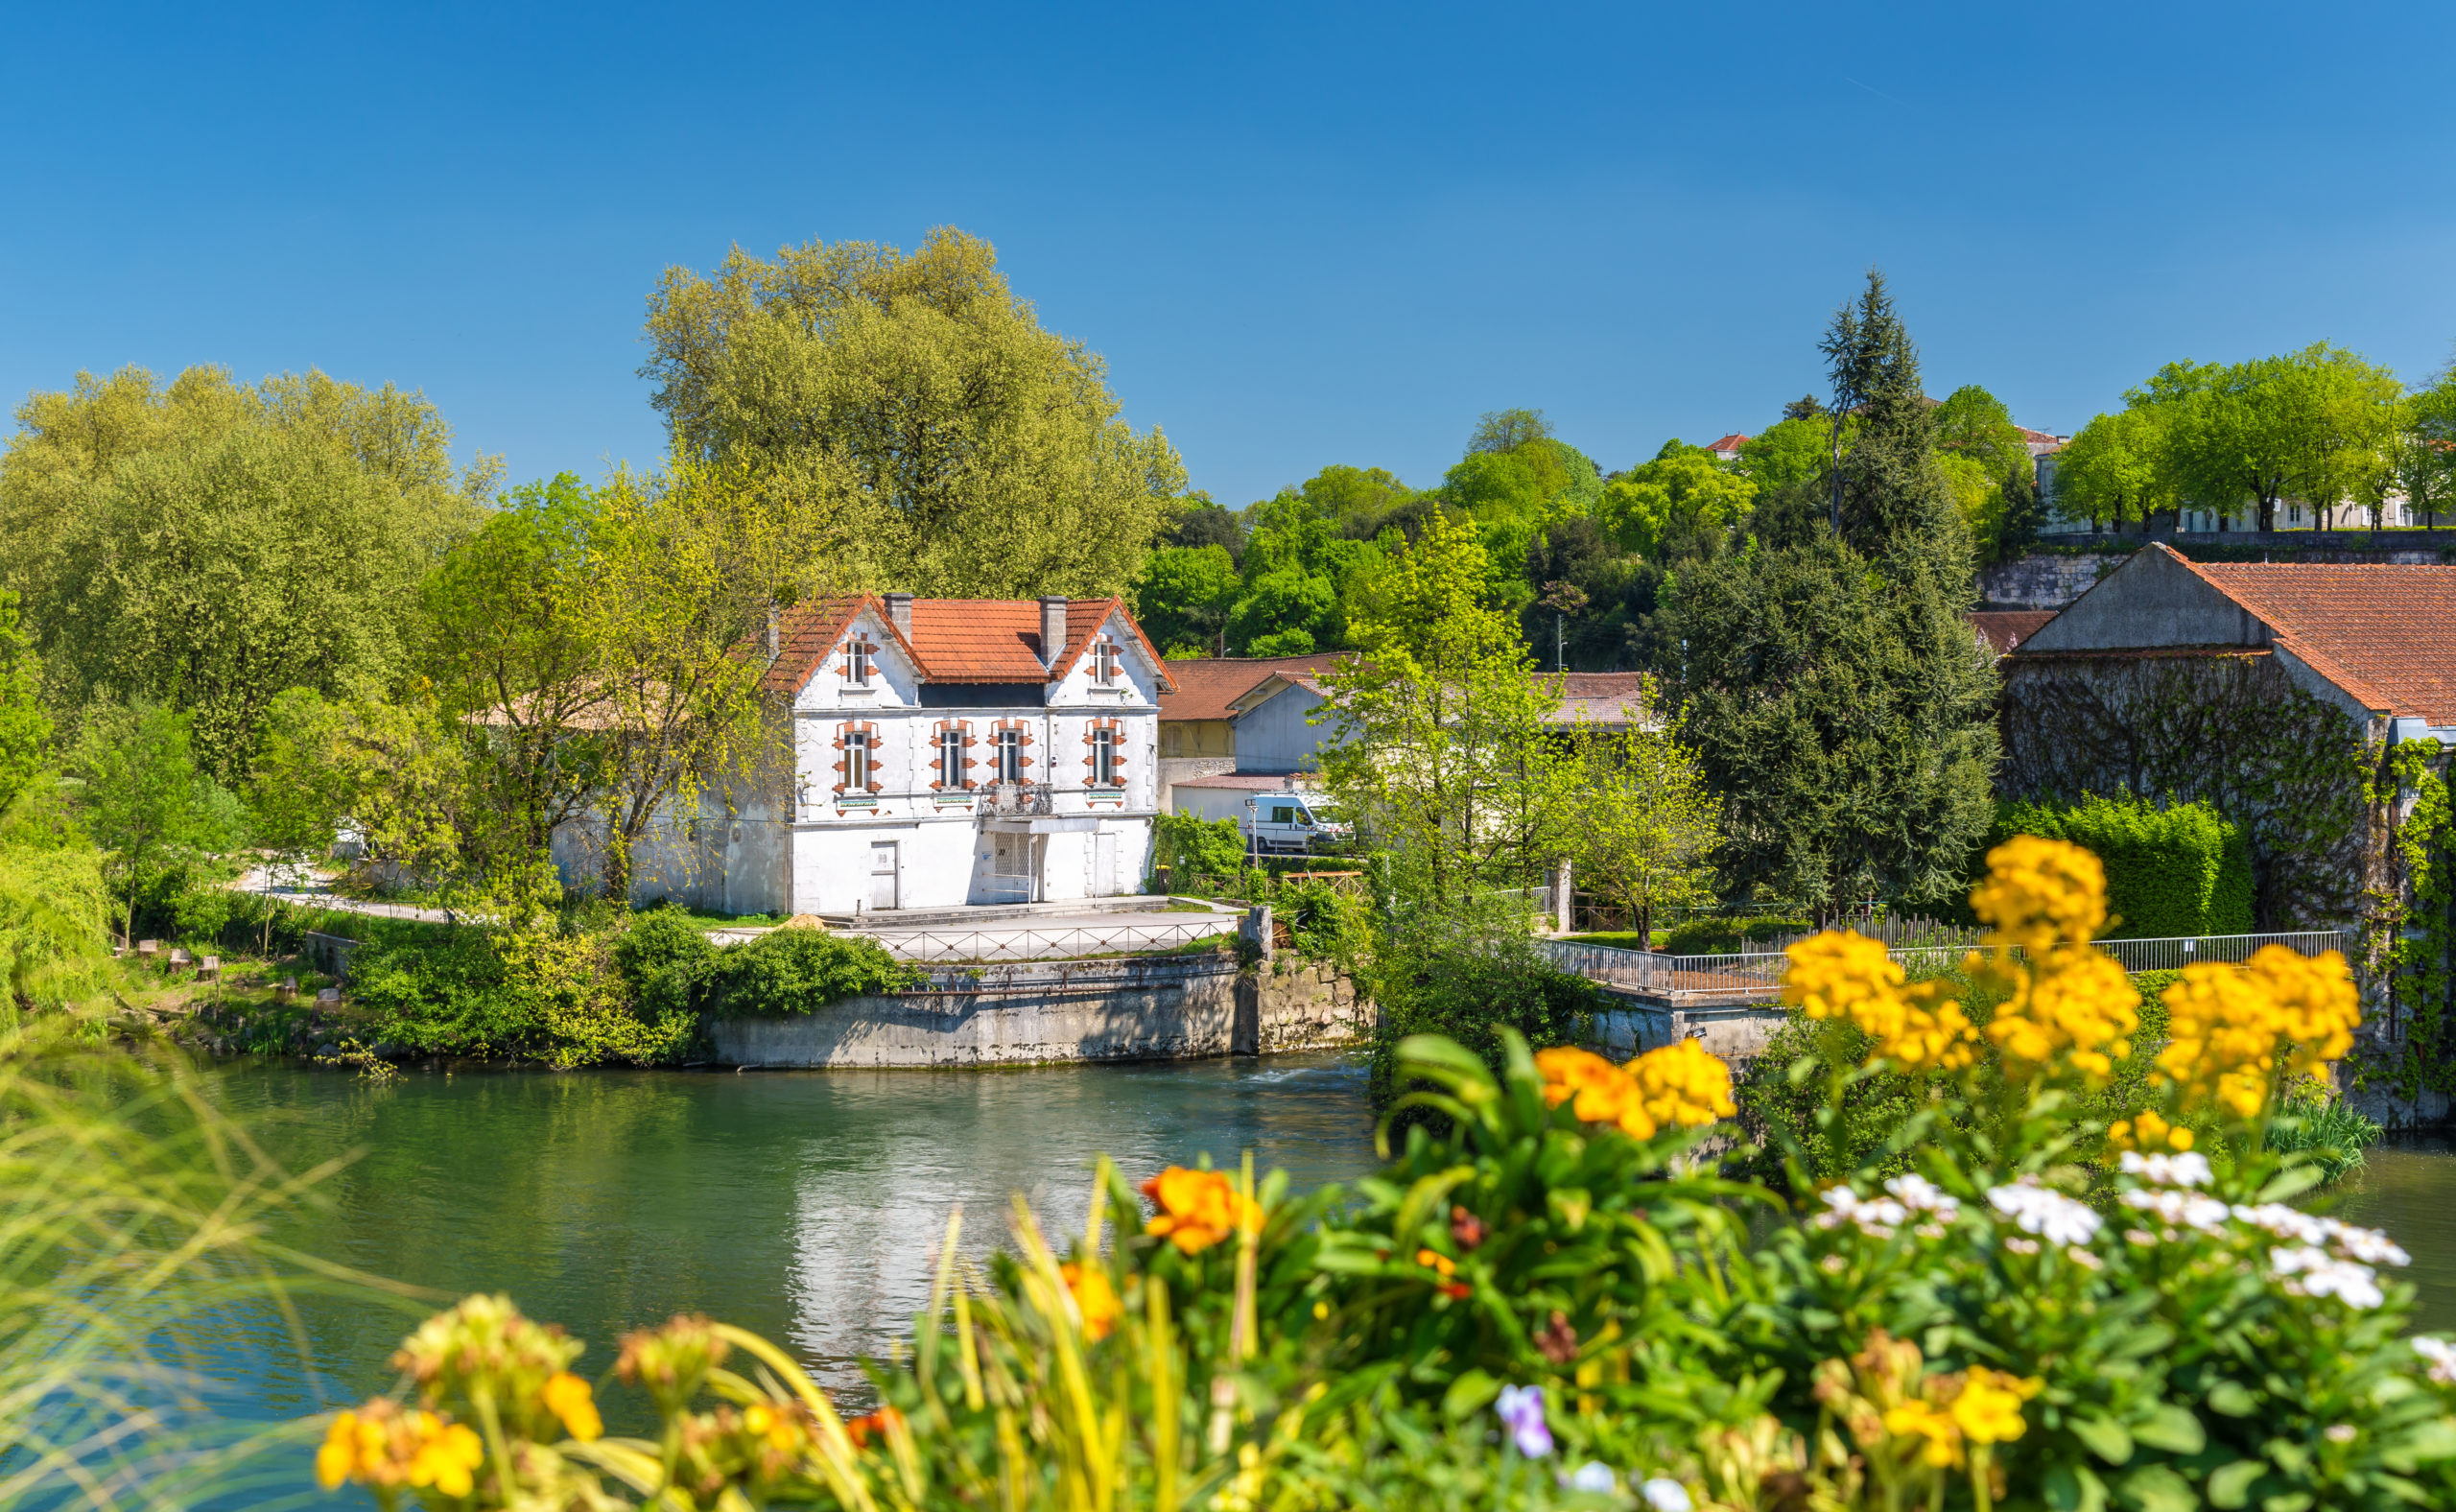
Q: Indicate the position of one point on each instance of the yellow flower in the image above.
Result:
(780, 1425)
(447, 1456)
(2233, 1029)
(351, 1444)
(2042, 892)
(2075, 1003)
(2315, 1003)
(1603, 1092)
(1197, 1208)
(1094, 1299)
(1939, 1436)
(1681, 1084)
(1989, 1408)
(1844, 975)
(1435, 1261)
(568, 1397)
(2148, 1134)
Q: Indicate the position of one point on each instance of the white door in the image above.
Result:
(883, 874)
(1103, 865)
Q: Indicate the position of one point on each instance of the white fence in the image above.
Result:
(1131, 932)
(1761, 971)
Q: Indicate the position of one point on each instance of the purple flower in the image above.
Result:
(1522, 1410)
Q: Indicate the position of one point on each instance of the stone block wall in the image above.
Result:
(2044, 579)
(1284, 1004)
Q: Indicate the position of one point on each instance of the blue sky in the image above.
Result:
(1299, 235)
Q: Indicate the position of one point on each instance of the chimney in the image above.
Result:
(1053, 628)
(899, 612)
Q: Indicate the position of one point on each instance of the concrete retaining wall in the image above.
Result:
(1160, 1009)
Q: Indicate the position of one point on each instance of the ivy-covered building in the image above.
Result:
(2312, 704)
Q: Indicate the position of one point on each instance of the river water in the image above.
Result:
(810, 1206)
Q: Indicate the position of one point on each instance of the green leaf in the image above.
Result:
(2231, 1485)
(2173, 1429)
(2158, 1488)
(1570, 1205)
(2232, 1398)
(2287, 1502)
(2103, 1436)
(2291, 1182)
(2075, 1488)
(1469, 1394)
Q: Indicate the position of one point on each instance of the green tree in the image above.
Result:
(210, 545)
(1975, 426)
(1979, 497)
(25, 730)
(1685, 491)
(1183, 599)
(922, 426)
(1442, 746)
(1509, 430)
(1354, 496)
(2310, 423)
(1646, 822)
(140, 796)
(2109, 472)
(1834, 693)
(1794, 451)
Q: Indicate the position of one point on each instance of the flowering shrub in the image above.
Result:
(1547, 1297)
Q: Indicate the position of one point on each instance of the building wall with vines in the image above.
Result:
(2298, 772)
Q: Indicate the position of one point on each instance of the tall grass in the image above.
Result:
(132, 1245)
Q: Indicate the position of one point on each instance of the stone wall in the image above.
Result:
(1152, 1009)
(2044, 579)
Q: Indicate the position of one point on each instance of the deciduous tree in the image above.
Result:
(1645, 824)
(1685, 491)
(2109, 472)
(929, 433)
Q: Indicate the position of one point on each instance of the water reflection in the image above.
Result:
(808, 1206)
(2408, 1188)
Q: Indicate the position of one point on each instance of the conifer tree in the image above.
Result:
(1835, 696)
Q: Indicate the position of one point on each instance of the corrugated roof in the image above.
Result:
(1207, 685)
(2385, 632)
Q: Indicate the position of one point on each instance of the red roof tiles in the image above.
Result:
(2005, 628)
(2384, 632)
(1207, 685)
(1730, 445)
(953, 640)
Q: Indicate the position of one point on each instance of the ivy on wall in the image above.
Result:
(2228, 728)
(2413, 934)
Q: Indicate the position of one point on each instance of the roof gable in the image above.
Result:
(953, 640)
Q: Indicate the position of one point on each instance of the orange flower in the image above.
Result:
(1094, 1299)
(1603, 1092)
(1435, 1261)
(860, 1429)
(1197, 1208)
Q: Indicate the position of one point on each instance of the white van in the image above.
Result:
(1292, 823)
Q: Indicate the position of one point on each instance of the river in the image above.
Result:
(809, 1206)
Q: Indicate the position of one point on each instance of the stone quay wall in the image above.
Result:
(1041, 1013)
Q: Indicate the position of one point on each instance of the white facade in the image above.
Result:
(894, 799)
(914, 835)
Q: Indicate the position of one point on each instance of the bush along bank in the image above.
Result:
(586, 987)
(1544, 1300)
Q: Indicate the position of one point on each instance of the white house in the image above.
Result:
(944, 751)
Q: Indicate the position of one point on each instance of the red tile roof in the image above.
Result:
(1602, 697)
(2005, 628)
(1730, 444)
(953, 639)
(1207, 685)
(2384, 632)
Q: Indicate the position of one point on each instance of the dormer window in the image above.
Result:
(1104, 668)
(858, 664)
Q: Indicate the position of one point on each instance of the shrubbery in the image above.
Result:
(1545, 1298)
(2172, 868)
(1191, 847)
(1712, 935)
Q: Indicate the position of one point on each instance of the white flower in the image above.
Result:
(2369, 1246)
(2442, 1356)
(1920, 1195)
(1876, 1218)
(2050, 1215)
(2191, 1208)
(2338, 1434)
(2309, 1272)
(2189, 1169)
(1592, 1476)
(1663, 1494)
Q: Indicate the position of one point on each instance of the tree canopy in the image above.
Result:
(923, 427)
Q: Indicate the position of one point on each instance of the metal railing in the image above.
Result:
(1022, 942)
(1761, 971)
